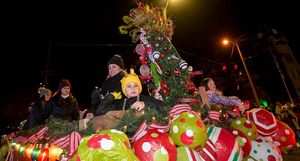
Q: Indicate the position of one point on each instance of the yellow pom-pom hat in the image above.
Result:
(132, 77)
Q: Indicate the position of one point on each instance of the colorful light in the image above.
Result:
(28, 151)
(21, 149)
(54, 152)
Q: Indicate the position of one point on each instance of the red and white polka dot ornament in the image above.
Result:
(155, 145)
(285, 137)
(264, 121)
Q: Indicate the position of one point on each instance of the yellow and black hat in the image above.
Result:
(132, 77)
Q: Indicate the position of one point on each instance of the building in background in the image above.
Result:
(285, 60)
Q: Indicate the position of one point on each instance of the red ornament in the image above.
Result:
(284, 137)
(162, 55)
(191, 87)
(155, 145)
(164, 88)
(166, 48)
(168, 73)
(176, 72)
(142, 59)
(264, 121)
(140, 49)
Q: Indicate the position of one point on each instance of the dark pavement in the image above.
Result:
(293, 155)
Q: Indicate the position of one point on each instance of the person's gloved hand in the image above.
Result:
(117, 95)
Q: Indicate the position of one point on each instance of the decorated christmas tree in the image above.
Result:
(166, 75)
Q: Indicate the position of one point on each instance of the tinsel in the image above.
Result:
(152, 20)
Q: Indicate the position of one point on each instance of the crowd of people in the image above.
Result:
(120, 91)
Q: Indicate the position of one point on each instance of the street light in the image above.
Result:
(235, 43)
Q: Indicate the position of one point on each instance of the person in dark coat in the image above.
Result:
(131, 88)
(112, 83)
(64, 104)
(37, 115)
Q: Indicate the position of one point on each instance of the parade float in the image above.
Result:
(190, 129)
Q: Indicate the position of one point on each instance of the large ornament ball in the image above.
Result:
(187, 129)
(264, 149)
(108, 144)
(285, 137)
(155, 145)
(264, 121)
(245, 126)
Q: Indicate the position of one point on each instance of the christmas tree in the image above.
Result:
(166, 75)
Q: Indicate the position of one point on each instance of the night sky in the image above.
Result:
(78, 38)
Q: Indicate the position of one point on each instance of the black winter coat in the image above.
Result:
(108, 104)
(37, 114)
(65, 108)
(110, 85)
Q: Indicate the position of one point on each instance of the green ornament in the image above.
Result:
(246, 126)
(108, 145)
(188, 130)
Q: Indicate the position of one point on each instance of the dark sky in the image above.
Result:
(84, 35)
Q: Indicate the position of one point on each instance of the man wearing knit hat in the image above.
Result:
(132, 88)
